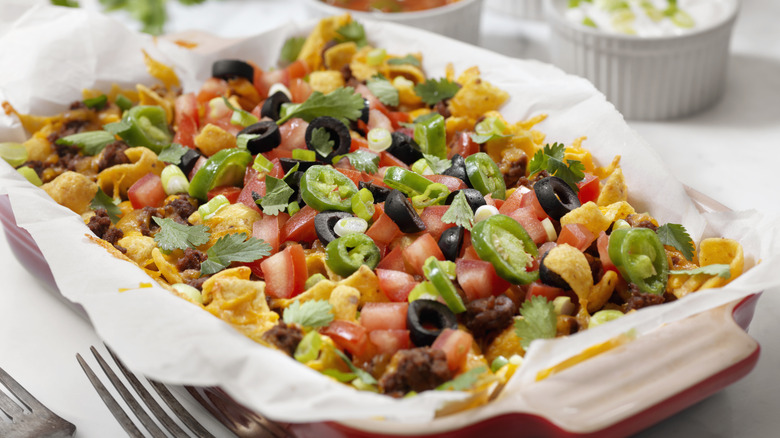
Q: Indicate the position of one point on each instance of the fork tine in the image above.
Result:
(147, 398)
(108, 399)
(180, 411)
(19, 392)
(7, 405)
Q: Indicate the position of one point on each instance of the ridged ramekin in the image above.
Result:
(526, 9)
(460, 20)
(646, 78)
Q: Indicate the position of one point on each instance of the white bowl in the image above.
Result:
(526, 9)
(459, 20)
(646, 78)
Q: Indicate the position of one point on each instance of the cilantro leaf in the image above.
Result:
(276, 196)
(90, 142)
(464, 381)
(459, 213)
(320, 140)
(539, 321)
(361, 160)
(677, 236)
(233, 248)
(408, 59)
(102, 200)
(362, 375)
(433, 91)
(439, 165)
(66, 3)
(173, 235)
(353, 31)
(721, 270)
(383, 90)
(311, 314)
(342, 103)
(489, 129)
(172, 153)
(291, 48)
(551, 159)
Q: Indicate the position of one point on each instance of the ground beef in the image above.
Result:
(596, 267)
(145, 223)
(197, 283)
(346, 73)
(191, 259)
(512, 166)
(68, 128)
(486, 315)
(638, 300)
(100, 224)
(77, 104)
(35, 165)
(284, 337)
(418, 369)
(179, 209)
(112, 155)
(640, 221)
(443, 108)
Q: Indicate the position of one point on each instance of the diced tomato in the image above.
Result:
(498, 203)
(195, 168)
(530, 200)
(451, 182)
(218, 114)
(147, 192)
(377, 119)
(348, 336)
(398, 117)
(390, 341)
(298, 70)
(213, 87)
(253, 184)
(383, 230)
(352, 174)
(293, 134)
(300, 90)
(277, 171)
(478, 279)
(589, 188)
(462, 144)
(456, 344)
(230, 192)
(602, 244)
(285, 272)
(258, 82)
(357, 143)
(384, 316)
(264, 81)
(186, 120)
(268, 229)
(527, 218)
(576, 235)
(300, 227)
(396, 285)
(538, 289)
(419, 251)
(431, 217)
(393, 260)
(388, 159)
(469, 253)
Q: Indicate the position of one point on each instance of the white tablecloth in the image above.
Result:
(728, 152)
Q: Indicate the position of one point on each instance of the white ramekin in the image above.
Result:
(526, 9)
(459, 20)
(646, 78)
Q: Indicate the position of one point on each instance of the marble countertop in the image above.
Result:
(727, 152)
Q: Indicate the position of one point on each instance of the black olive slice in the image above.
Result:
(232, 68)
(273, 105)
(473, 197)
(324, 222)
(365, 111)
(401, 211)
(555, 197)
(426, 319)
(550, 277)
(404, 148)
(337, 132)
(458, 169)
(451, 241)
(380, 193)
(188, 160)
(268, 136)
(289, 163)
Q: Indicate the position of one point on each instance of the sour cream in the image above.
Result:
(647, 18)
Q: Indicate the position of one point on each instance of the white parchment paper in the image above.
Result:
(54, 53)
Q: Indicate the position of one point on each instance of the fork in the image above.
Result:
(36, 420)
(121, 416)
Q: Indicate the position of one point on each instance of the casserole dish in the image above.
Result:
(148, 357)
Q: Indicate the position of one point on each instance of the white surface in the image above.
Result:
(741, 132)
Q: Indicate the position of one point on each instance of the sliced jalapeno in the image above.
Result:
(504, 243)
(346, 254)
(225, 168)
(640, 257)
(407, 182)
(325, 188)
(363, 204)
(485, 176)
(143, 125)
(435, 272)
(431, 135)
(434, 194)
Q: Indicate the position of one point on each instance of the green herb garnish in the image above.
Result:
(233, 248)
(172, 153)
(551, 159)
(408, 59)
(353, 31)
(276, 197)
(459, 213)
(361, 160)
(291, 48)
(721, 270)
(539, 321)
(464, 381)
(173, 235)
(433, 91)
(677, 236)
(91, 142)
(102, 200)
(383, 90)
(343, 103)
(311, 314)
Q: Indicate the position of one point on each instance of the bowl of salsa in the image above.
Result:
(458, 19)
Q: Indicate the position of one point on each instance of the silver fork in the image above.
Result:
(196, 429)
(34, 421)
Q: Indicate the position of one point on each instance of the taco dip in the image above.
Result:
(361, 225)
